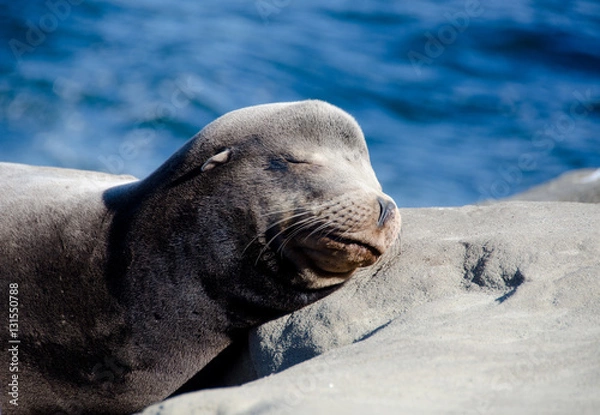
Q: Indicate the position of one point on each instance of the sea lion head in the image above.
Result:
(300, 177)
(270, 207)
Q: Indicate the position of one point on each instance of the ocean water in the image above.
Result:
(460, 101)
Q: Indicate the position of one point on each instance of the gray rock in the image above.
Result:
(575, 186)
(487, 310)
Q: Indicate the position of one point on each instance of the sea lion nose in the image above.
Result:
(386, 210)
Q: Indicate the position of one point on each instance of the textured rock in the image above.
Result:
(574, 186)
(488, 310)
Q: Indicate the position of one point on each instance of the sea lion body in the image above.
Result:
(127, 288)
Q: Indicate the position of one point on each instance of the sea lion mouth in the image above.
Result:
(330, 256)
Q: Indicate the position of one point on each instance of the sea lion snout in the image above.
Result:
(328, 242)
(380, 226)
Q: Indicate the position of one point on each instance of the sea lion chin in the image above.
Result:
(132, 286)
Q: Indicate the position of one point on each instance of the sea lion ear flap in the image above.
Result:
(220, 158)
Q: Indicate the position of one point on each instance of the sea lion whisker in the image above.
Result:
(316, 219)
(323, 226)
(282, 221)
(291, 218)
(300, 226)
(275, 212)
(264, 249)
(347, 231)
(271, 226)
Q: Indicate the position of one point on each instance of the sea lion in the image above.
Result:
(124, 288)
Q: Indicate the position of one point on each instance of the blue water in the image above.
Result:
(459, 100)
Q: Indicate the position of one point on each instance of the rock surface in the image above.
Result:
(487, 310)
(575, 186)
